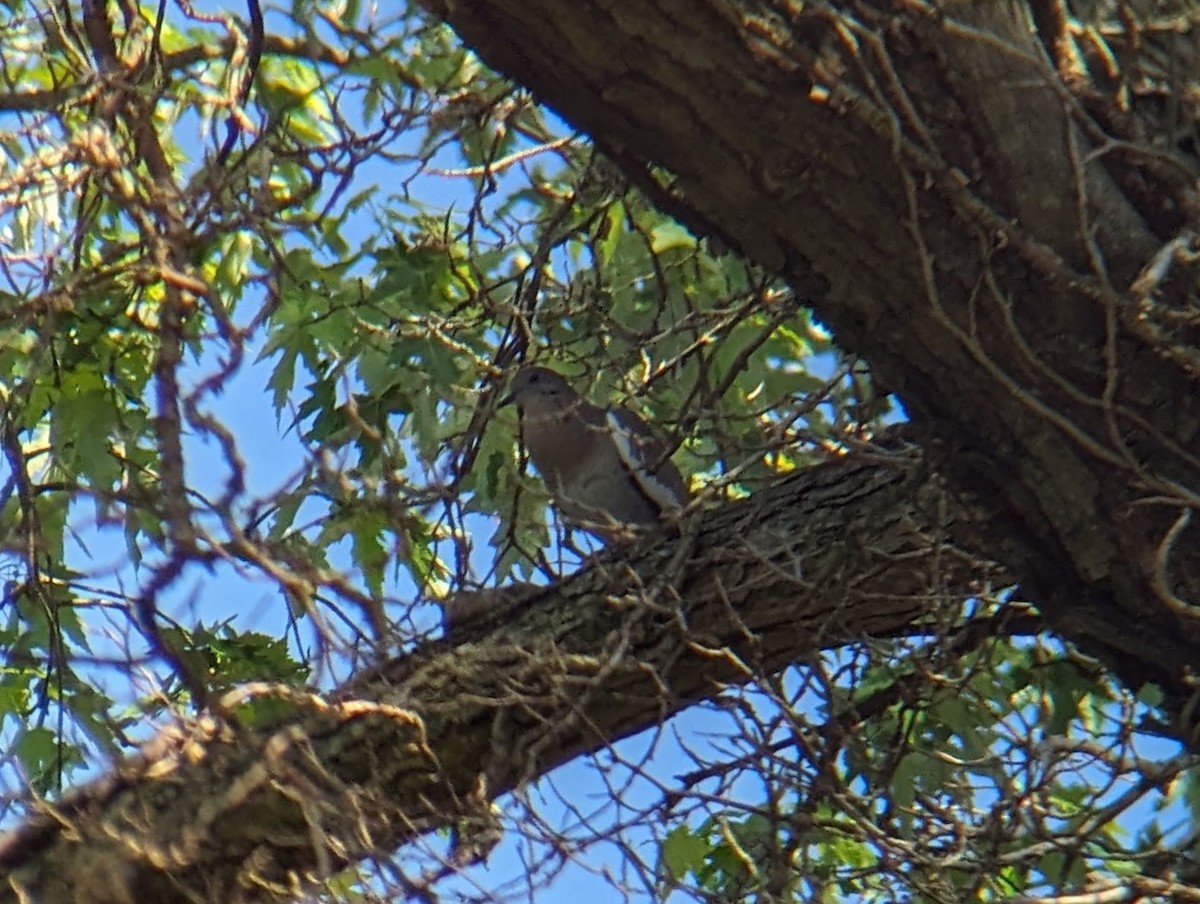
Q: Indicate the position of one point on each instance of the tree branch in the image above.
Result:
(924, 177)
(830, 556)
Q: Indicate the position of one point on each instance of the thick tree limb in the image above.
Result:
(926, 178)
(834, 555)
(936, 191)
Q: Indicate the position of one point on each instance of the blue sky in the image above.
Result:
(273, 453)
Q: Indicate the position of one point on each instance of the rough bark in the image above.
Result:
(968, 213)
(935, 189)
(209, 812)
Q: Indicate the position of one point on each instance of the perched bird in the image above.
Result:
(605, 470)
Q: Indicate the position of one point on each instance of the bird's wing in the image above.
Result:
(641, 451)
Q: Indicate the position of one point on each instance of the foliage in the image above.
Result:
(250, 431)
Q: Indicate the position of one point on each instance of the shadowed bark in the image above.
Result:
(835, 554)
(972, 215)
(969, 211)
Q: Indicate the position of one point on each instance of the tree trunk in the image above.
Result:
(967, 210)
(945, 194)
(835, 555)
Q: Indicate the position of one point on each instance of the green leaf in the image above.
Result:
(684, 852)
(44, 757)
(906, 779)
(612, 231)
(292, 89)
(1151, 695)
(233, 268)
(669, 234)
(370, 555)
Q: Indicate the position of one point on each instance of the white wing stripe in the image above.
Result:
(631, 453)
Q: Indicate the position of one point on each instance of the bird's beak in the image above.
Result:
(507, 400)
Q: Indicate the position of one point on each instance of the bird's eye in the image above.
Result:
(533, 378)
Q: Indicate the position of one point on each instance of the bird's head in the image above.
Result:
(539, 390)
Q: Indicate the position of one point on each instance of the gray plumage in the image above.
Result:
(604, 469)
